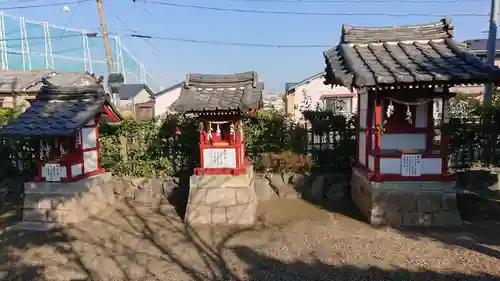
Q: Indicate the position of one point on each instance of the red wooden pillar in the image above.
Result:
(378, 121)
(369, 127)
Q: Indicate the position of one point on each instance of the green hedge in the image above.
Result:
(155, 148)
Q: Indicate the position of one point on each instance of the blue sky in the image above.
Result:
(274, 65)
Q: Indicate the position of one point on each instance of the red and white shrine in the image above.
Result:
(72, 158)
(220, 102)
(222, 144)
(399, 72)
(396, 140)
(222, 189)
(63, 124)
(65, 121)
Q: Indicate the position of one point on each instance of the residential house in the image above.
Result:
(136, 93)
(19, 87)
(165, 98)
(311, 93)
(133, 100)
(274, 102)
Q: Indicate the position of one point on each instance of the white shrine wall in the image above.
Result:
(89, 147)
(371, 162)
(397, 141)
(394, 141)
(363, 109)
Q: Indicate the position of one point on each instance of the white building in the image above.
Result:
(274, 101)
(165, 98)
(311, 93)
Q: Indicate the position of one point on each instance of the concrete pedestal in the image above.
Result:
(405, 203)
(222, 199)
(48, 204)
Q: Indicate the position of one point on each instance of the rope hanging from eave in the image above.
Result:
(415, 103)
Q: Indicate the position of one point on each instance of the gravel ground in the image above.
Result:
(293, 241)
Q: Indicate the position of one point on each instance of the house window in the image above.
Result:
(338, 104)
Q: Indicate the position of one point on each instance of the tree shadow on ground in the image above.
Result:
(16, 266)
(476, 234)
(261, 267)
(479, 231)
(11, 201)
(178, 197)
(198, 254)
(146, 241)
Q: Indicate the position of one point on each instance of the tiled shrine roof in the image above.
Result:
(59, 111)
(201, 92)
(404, 56)
(31, 80)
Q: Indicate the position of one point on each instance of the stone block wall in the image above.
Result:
(65, 203)
(150, 191)
(220, 199)
(409, 203)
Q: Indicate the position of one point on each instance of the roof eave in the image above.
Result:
(317, 75)
(169, 89)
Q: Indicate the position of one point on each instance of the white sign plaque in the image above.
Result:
(52, 172)
(219, 158)
(411, 165)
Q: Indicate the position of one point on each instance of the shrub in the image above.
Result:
(286, 161)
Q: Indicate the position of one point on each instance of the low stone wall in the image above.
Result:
(315, 188)
(218, 199)
(66, 203)
(149, 191)
(417, 203)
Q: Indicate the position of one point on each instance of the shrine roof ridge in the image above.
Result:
(50, 91)
(364, 35)
(234, 92)
(31, 80)
(60, 111)
(236, 80)
(426, 57)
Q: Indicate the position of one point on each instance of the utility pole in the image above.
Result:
(105, 38)
(492, 40)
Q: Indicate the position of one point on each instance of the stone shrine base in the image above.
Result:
(50, 204)
(405, 203)
(222, 199)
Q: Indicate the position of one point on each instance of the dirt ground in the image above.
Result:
(294, 240)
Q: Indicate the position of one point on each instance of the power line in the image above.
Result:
(268, 12)
(43, 5)
(43, 37)
(140, 35)
(73, 12)
(231, 43)
(359, 1)
(133, 30)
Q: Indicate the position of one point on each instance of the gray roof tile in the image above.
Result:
(201, 92)
(405, 55)
(31, 80)
(58, 111)
(129, 91)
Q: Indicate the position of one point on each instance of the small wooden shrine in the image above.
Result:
(219, 102)
(65, 121)
(402, 76)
